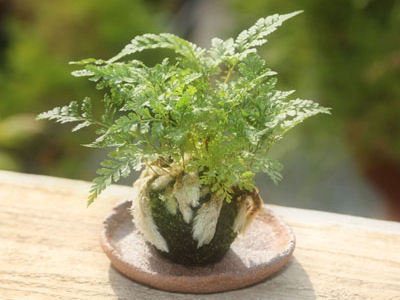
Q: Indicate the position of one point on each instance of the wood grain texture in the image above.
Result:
(49, 249)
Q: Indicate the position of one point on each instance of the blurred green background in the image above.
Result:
(344, 54)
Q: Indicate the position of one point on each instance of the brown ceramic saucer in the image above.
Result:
(266, 247)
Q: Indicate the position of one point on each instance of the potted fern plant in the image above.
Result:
(200, 126)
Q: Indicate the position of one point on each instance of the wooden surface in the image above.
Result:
(49, 249)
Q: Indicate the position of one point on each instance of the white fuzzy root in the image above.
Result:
(161, 182)
(187, 193)
(205, 222)
(169, 200)
(240, 219)
(255, 205)
(141, 211)
(191, 184)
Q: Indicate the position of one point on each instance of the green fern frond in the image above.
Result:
(216, 113)
(160, 41)
(71, 113)
(255, 35)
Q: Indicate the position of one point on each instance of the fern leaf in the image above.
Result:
(272, 168)
(255, 35)
(88, 61)
(111, 171)
(70, 113)
(221, 50)
(298, 110)
(81, 125)
(156, 41)
(64, 114)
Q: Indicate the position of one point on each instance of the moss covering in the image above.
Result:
(178, 234)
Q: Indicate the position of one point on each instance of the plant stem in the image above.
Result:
(147, 164)
(229, 73)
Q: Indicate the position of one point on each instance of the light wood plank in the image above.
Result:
(49, 249)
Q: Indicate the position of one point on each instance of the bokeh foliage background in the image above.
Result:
(40, 38)
(348, 56)
(344, 54)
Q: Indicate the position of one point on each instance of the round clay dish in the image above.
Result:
(262, 251)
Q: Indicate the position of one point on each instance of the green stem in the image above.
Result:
(149, 165)
(230, 73)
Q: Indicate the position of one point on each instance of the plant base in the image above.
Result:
(178, 234)
(266, 248)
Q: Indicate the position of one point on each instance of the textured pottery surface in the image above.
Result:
(266, 248)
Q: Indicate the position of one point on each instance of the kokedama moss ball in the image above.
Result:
(179, 237)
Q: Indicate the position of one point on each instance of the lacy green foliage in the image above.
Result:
(216, 112)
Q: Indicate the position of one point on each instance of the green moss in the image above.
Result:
(178, 234)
